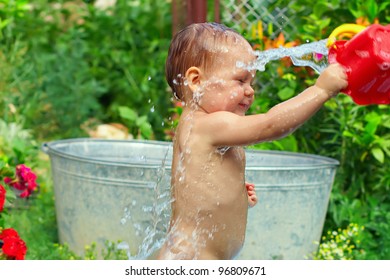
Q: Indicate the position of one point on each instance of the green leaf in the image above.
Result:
(286, 93)
(290, 77)
(324, 23)
(270, 28)
(141, 120)
(319, 8)
(378, 154)
(10, 196)
(383, 6)
(347, 133)
(373, 117)
(372, 10)
(4, 23)
(127, 113)
(289, 143)
(354, 9)
(146, 130)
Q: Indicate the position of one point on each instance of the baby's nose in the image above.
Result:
(249, 92)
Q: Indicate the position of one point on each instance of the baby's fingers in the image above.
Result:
(250, 193)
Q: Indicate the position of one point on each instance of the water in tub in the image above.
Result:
(154, 233)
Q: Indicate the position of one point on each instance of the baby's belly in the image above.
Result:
(229, 235)
(216, 233)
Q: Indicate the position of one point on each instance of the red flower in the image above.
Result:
(8, 232)
(12, 245)
(2, 197)
(24, 181)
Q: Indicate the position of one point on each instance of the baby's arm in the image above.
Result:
(289, 115)
(281, 120)
(252, 197)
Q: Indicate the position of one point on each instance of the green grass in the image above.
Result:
(35, 220)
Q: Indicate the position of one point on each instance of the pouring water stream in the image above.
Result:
(301, 55)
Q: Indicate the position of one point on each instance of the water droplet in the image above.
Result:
(149, 78)
(152, 109)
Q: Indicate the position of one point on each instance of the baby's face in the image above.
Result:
(228, 85)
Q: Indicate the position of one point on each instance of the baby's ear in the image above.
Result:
(193, 78)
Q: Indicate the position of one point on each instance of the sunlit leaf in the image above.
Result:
(286, 93)
(127, 113)
(378, 154)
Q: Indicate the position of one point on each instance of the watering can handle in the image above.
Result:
(342, 29)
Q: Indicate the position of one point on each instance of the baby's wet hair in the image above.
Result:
(195, 45)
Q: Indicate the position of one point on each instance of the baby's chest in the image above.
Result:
(233, 156)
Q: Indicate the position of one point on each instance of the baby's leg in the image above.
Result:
(177, 247)
(172, 253)
(183, 246)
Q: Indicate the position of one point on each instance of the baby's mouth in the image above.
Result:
(244, 106)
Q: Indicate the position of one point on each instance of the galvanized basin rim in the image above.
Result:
(317, 162)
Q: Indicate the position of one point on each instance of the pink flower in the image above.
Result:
(317, 56)
(2, 197)
(25, 180)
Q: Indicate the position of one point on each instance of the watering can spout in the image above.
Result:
(366, 58)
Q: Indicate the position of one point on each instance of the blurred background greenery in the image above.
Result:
(66, 66)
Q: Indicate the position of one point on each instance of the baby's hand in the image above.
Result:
(333, 79)
(252, 198)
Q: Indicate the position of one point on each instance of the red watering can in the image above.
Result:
(366, 58)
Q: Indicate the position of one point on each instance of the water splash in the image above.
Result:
(154, 231)
(303, 55)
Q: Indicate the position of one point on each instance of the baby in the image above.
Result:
(210, 195)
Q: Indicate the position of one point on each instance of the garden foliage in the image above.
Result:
(357, 136)
(67, 64)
